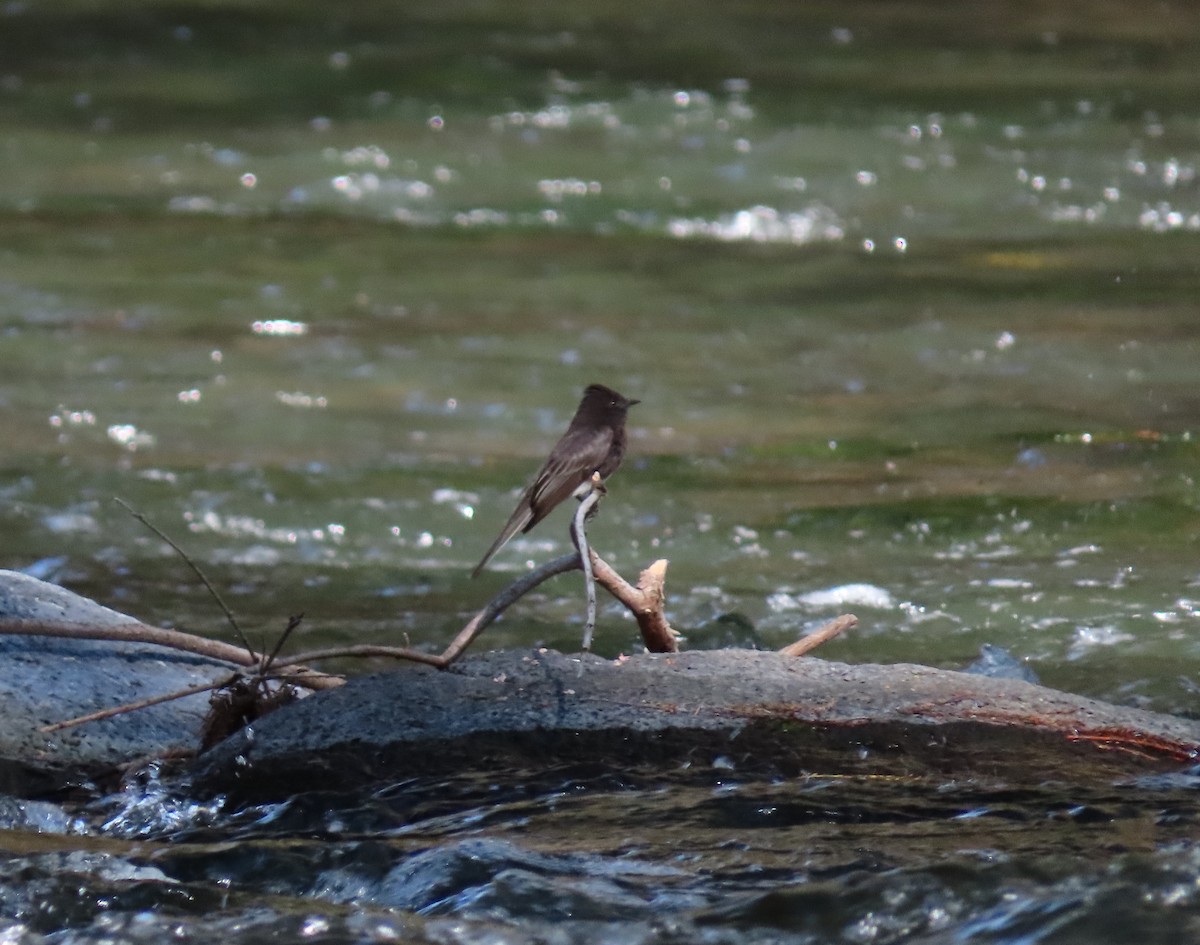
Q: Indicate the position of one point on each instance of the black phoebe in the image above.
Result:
(593, 443)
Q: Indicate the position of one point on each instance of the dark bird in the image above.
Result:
(593, 444)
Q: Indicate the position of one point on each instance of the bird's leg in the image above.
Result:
(587, 507)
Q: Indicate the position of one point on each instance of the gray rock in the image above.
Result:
(997, 662)
(751, 712)
(45, 680)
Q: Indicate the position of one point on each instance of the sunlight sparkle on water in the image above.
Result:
(463, 502)
(569, 187)
(279, 327)
(481, 216)
(305, 401)
(1004, 584)
(73, 418)
(763, 224)
(243, 526)
(368, 154)
(130, 437)
(558, 116)
(1163, 218)
(1091, 638)
(843, 595)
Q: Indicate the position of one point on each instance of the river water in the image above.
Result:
(908, 295)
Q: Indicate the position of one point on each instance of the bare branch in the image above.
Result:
(646, 602)
(362, 650)
(137, 632)
(133, 706)
(191, 564)
(502, 601)
(133, 632)
(579, 534)
(293, 622)
(809, 642)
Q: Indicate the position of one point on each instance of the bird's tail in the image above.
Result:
(518, 522)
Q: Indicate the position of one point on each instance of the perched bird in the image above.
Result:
(593, 444)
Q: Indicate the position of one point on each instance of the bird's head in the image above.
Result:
(604, 401)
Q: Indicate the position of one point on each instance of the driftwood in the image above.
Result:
(823, 634)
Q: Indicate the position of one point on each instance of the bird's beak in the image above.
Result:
(632, 402)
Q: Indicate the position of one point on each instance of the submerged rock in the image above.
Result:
(997, 662)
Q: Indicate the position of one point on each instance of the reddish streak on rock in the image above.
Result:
(1129, 741)
(1136, 743)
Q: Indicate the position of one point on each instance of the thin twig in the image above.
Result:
(191, 564)
(647, 602)
(293, 622)
(579, 533)
(824, 633)
(135, 631)
(502, 601)
(362, 650)
(134, 706)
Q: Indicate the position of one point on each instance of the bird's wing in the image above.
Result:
(570, 465)
(572, 461)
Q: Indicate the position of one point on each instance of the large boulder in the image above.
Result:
(754, 713)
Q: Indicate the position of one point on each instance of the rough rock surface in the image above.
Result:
(749, 711)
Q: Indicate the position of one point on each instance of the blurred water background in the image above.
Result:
(908, 291)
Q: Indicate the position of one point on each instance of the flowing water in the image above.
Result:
(908, 294)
